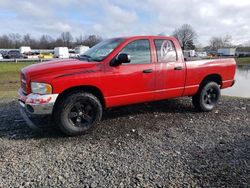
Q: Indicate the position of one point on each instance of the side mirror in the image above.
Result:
(121, 58)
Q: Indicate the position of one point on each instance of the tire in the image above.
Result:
(207, 97)
(77, 112)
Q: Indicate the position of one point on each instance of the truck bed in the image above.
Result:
(198, 69)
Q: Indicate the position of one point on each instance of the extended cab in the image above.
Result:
(116, 72)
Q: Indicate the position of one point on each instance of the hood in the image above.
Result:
(55, 66)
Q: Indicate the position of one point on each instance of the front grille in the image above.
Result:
(23, 76)
(23, 83)
(24, 87)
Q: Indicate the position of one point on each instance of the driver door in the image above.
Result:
(133, 82)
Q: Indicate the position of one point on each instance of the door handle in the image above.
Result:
(147, 71)
(178, 68)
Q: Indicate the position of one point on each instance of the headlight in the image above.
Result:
(41, 88)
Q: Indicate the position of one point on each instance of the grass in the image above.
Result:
(243, 60)
(9, 79)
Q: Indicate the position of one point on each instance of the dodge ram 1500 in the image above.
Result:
(116, 72)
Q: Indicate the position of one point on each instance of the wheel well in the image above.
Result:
(212, 77)
(90, 89)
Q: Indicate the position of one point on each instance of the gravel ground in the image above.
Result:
(160, 144)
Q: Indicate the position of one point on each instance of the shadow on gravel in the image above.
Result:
(225, 165)
(13, 126)
(166, 106)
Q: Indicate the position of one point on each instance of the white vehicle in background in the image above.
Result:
(24, 49)
(61, 52)
(1, 56)
(201, 54)
(32, 55)
(189, 53)
(80, 50)
(72, 53)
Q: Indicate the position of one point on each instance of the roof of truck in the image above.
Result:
(147, 36)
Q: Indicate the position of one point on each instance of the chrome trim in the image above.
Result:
(44, 109)
(41, 104)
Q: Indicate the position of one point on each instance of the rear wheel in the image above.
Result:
(77, 113)
(207, 97)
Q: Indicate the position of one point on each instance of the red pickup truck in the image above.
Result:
(116, 72)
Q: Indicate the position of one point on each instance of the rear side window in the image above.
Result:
(166, 51)
(139, 51)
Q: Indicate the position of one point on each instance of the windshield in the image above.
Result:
(101, 50)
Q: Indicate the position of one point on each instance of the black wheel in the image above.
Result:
(207, 97)
(77, 113)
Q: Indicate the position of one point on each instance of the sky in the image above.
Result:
(110, 18)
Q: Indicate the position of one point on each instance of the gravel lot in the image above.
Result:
(161, 144)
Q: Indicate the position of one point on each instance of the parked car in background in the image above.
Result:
(32, 55)
(45, 55)
(72, 54)
(80, 50)
(243, 54)
(15, 54)
(201, 54)
(1, 56)
(189, 53)
(24, 49)
(61, 52)
(3, 52)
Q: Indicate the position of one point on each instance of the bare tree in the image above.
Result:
(5, 42)
(92, 40)
(220, 42)
(80, 40)
(67, 39)
(46, 42)
(29, 41)
(186, 36)
(59, 42)
(16, 40)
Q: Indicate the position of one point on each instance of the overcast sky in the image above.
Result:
(110, 18)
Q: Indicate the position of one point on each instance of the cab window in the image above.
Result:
(166, 51)
(139, 51)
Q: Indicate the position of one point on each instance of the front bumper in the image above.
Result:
(36, 104)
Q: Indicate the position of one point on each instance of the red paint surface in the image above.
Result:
(127, 84)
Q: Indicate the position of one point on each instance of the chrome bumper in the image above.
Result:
(36, 104)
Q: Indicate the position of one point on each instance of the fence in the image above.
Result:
(25, 60)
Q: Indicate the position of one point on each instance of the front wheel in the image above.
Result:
(77, 113)
(207, 97)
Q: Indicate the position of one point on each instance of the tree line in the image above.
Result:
(185, 34)
(187, 38)
(15, 40)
